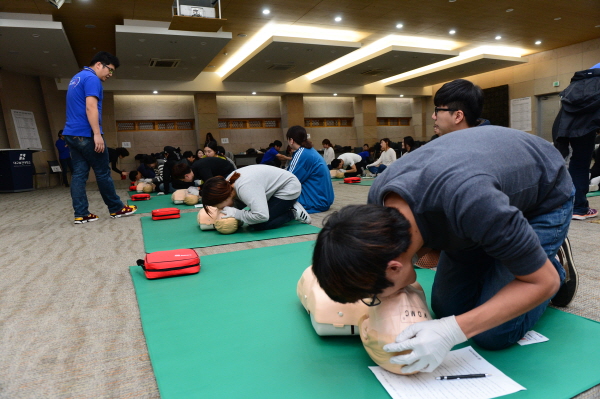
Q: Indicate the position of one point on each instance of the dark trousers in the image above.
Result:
(64, 163)
(360, 166)
(579, 169)
(280, 212)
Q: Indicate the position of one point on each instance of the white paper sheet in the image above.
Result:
(457, 362)
(532, 337)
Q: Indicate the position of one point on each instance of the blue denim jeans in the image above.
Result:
(377, 169)
(280, 212)
(466, 279)
(84, 157)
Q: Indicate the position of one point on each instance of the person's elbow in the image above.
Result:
(546, 280)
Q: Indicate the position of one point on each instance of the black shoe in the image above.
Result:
(568, 289)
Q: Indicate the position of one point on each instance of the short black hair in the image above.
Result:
(149, 160)
(463, 95)
(105, 58)
(188, 154)
(122, 152)
(60, 132)
(133, 175)
(179, 171)
(354, 248)
(277, 143)
(220, 150)
(335, 163)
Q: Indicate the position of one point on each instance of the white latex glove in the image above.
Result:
(147, 180)
(160, 193)
(193, 191)
(228, 212)
(197, 183)
(430, 342)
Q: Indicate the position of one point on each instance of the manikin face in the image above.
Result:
(209, 152)
(384, 146)
(189, 177)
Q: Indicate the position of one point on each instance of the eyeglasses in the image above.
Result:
(374, 301)
(110, 70)
(436, 110)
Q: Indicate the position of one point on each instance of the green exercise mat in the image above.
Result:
(162, 235)
(237, 330)
(157, 202)
(593, 194)
(363, 182)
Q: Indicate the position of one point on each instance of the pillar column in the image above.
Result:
(292, 112)
(365, 119)
(207, 118)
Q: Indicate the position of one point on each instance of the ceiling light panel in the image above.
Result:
(282, 59)
(391, 61)
(138, 45)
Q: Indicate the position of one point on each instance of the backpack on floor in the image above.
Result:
(177, 262)
(166, 213)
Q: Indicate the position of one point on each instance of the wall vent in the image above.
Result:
(281, 67)
(160, 63)
(372, 72)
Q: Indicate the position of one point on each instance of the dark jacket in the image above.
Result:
(580, 108)
(205, 168)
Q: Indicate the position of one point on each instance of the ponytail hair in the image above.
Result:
(299, 135)
(216, 190)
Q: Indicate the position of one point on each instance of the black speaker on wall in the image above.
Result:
(496, 105)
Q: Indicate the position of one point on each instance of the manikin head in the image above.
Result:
(213, 221)
(458, 105)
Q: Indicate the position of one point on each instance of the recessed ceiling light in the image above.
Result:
(137, 67)
(35, 35)
(498, 37)
(401, 95)
(399, 26)
(266, 11)
(451, 1)
(242, 35)
(90, 26)
(138, 55)
(337, 19)
(203, 43)
(557, 18)
(46, 51)
(452, 31)
(286, 48)
(538, 42)
(253, 93)
(54, 65)
(154, 92)
(193, 57)
(597, 26)
(334, 94)
(510, 10)
(141, 40)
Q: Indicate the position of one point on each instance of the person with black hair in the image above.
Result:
(114, 154)
(83, 134)
(410, 144)
(387, 157)
(147, 167)
(352, 164)
(328, 153)
(202, 170)
(172, 158)
(209, 138)
(309, 167)
(458, 105)
(272, 156)
(498, 209)
(189, 157)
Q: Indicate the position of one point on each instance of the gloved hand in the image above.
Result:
(430, 342)
(147, 180)
(228, 212)
(197, 183)
(160, 193)
(193, 190)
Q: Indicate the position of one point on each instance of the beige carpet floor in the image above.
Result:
(69, 320)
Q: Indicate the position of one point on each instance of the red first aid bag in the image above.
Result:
(140, 197)
(166, 213)
(177, 262)
(352, 179)
(133, 187)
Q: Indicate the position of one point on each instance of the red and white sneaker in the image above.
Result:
(89, 218)
(591, 213)
(127, 210)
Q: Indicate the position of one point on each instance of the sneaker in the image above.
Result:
(568, 289)
(591, 213)
(89, 218)
(300, 213)
(127, 210)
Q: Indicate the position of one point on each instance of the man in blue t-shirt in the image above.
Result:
(272, 156)
(83, 135)
(64, 157)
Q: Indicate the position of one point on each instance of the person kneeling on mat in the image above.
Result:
(270, 194)
(502, 232)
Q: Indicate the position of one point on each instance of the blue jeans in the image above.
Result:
(84, 157)
(467, 279)
(377, 169)
(579, 169)
(280, 212)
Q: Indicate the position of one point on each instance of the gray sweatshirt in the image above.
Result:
(257, 184)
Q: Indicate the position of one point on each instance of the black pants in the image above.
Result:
(280, 212)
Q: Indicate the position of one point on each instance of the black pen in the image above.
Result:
(460, 377)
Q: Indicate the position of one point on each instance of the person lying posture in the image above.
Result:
(270, 194)
(499, 210)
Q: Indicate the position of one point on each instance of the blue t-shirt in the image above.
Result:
(63, 150)
(84, 84)
(269, 155)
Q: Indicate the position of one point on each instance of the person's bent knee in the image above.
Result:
(493, 341)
